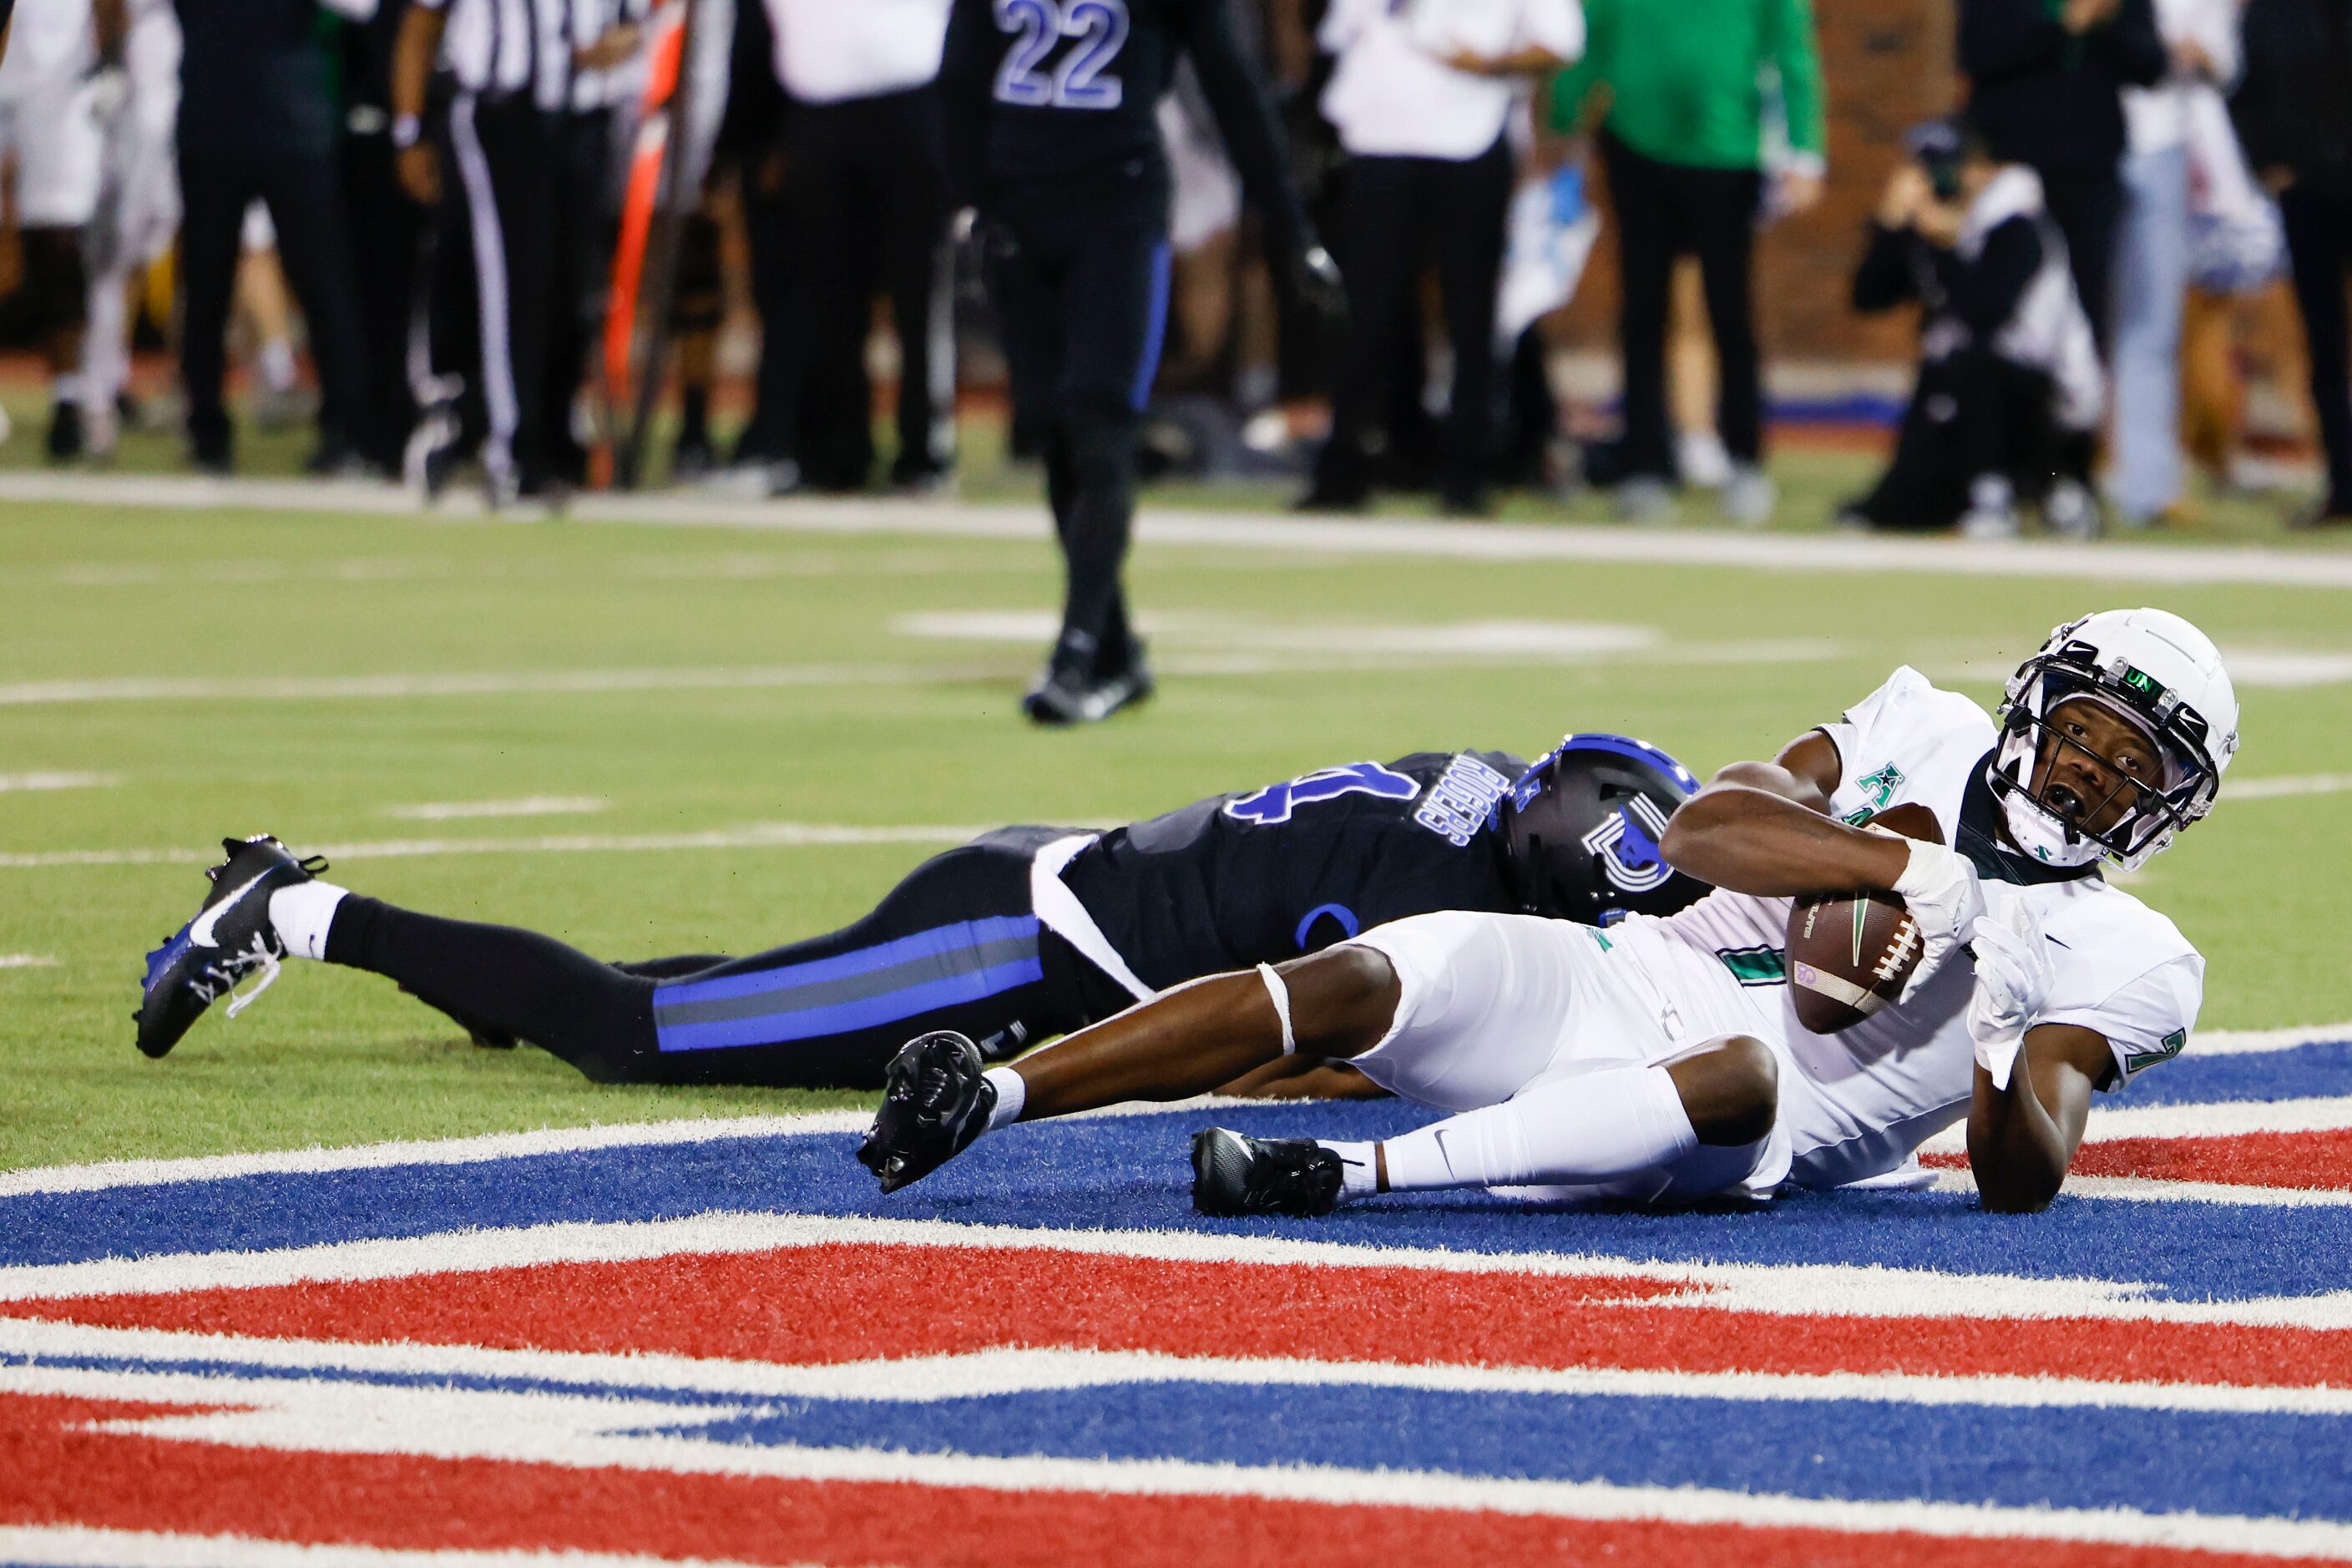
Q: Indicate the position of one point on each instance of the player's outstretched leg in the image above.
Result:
(229, 940)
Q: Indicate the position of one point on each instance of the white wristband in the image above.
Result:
(406, 131)
(1281, 994)
(1929, 866)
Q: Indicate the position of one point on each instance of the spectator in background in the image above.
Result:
(1683, 142)
(137, 216)
(50, 88)
(2294, 112)
(868, 200)
(2008, 389)
(258, 120)
(2152, 255)
(2046, 83)
(1422, 99)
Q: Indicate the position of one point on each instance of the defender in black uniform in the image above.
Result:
(1048, 108)
(1022, 935)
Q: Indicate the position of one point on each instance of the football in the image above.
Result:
(1850, 954)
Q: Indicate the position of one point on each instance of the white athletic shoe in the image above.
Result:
(1750, 496)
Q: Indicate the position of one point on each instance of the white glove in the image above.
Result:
(2012, 982)
(1940, 887)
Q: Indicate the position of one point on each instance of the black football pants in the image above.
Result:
(2319, 241)
(957, 945)
(1083, 297)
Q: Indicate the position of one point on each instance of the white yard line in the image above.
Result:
(981, 1373)
(488, 683)
(751, 836)
(80, 1546)
(527, 806)
(2294, 785)
(1260, 531)
(2140, 1189)
(26, 960)
(44, 783)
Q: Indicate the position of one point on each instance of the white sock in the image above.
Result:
(302, 913)
(1571, 1131)
(1358, 1175)
(276, 362)
(1012, 1094)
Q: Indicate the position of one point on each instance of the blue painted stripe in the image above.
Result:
(807, 1023)
(1147, 369)
(2318, 1070)
(2157, 1461)
(938, 940)
(1134, 1173)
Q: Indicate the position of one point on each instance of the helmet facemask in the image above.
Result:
(2098, 809)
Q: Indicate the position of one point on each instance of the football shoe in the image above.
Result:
(230, 940)
(935, 1101)
(1233, 1175)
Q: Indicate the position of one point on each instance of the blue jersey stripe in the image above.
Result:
(938, 940)
(807, 1023)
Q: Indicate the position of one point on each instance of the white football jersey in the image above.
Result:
(1858, 1103)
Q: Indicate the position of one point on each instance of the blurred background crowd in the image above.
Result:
(2069, 264)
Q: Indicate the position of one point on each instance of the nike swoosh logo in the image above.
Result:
(200, 930)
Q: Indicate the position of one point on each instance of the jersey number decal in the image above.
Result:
(1100, 28)
(1276, 801)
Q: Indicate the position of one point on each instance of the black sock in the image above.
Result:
(513, 982)
(694, 418)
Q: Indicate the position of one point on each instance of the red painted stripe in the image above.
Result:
(812, 1304)
(2298, 1160)
(53, 1470)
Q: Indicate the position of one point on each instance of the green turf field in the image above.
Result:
(721, 680)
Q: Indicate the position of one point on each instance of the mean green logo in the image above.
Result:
(1880, 786)
(2141, 681)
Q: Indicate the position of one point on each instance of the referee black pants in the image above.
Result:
(496, 252)
(1664, 211)
(304, 194)
(870, 204)
(1399, 215)
(957, 945)
(2319, 242)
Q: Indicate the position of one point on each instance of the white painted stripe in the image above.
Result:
(2146, 1189)
(2294, 785)
(2247, 1042)
(1007, 1370)
(13, 783)
(499, 683)
(527, 806)
(1783, 1289)
(1370, 538)
(751, 836)
(539, 1429)
(26, 960)
(2218, 1118)
(79, 1546)
(486, 229)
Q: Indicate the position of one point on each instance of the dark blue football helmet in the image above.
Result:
(1581, 829)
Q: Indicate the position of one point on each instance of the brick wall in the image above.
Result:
(1886, 65)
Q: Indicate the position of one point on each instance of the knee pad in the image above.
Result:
(56, 285)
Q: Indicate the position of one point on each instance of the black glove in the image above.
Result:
(1316, 278)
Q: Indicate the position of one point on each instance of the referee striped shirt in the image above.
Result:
(497, 49)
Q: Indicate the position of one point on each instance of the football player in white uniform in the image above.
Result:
(1662, 1058)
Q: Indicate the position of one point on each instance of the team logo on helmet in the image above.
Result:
(1627, 844)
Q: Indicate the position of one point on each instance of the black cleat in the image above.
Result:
(67, 440)
(935, 1101)
(1235, 1175)
(230, 939)
(1061, 699)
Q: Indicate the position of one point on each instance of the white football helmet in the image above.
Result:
(2157, 671)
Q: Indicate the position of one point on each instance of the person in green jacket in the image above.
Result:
(1691, 86)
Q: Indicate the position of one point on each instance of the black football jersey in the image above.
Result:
(1064, 94)
(1267, 874)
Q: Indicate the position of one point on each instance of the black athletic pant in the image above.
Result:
(871, 201)
(580, 242)
(1083, 297)
(304, 194)
(385, 226)
(1972, 413)
(2087, 206)
(1399, 215)
(2319, 243)
(1665, 211)
(495, 306)
(957, 945)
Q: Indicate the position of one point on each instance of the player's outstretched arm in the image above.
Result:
(2022, 1138)
(1763, 829)
(1205, 1035)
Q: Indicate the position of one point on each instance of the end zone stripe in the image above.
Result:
(79, 1546)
